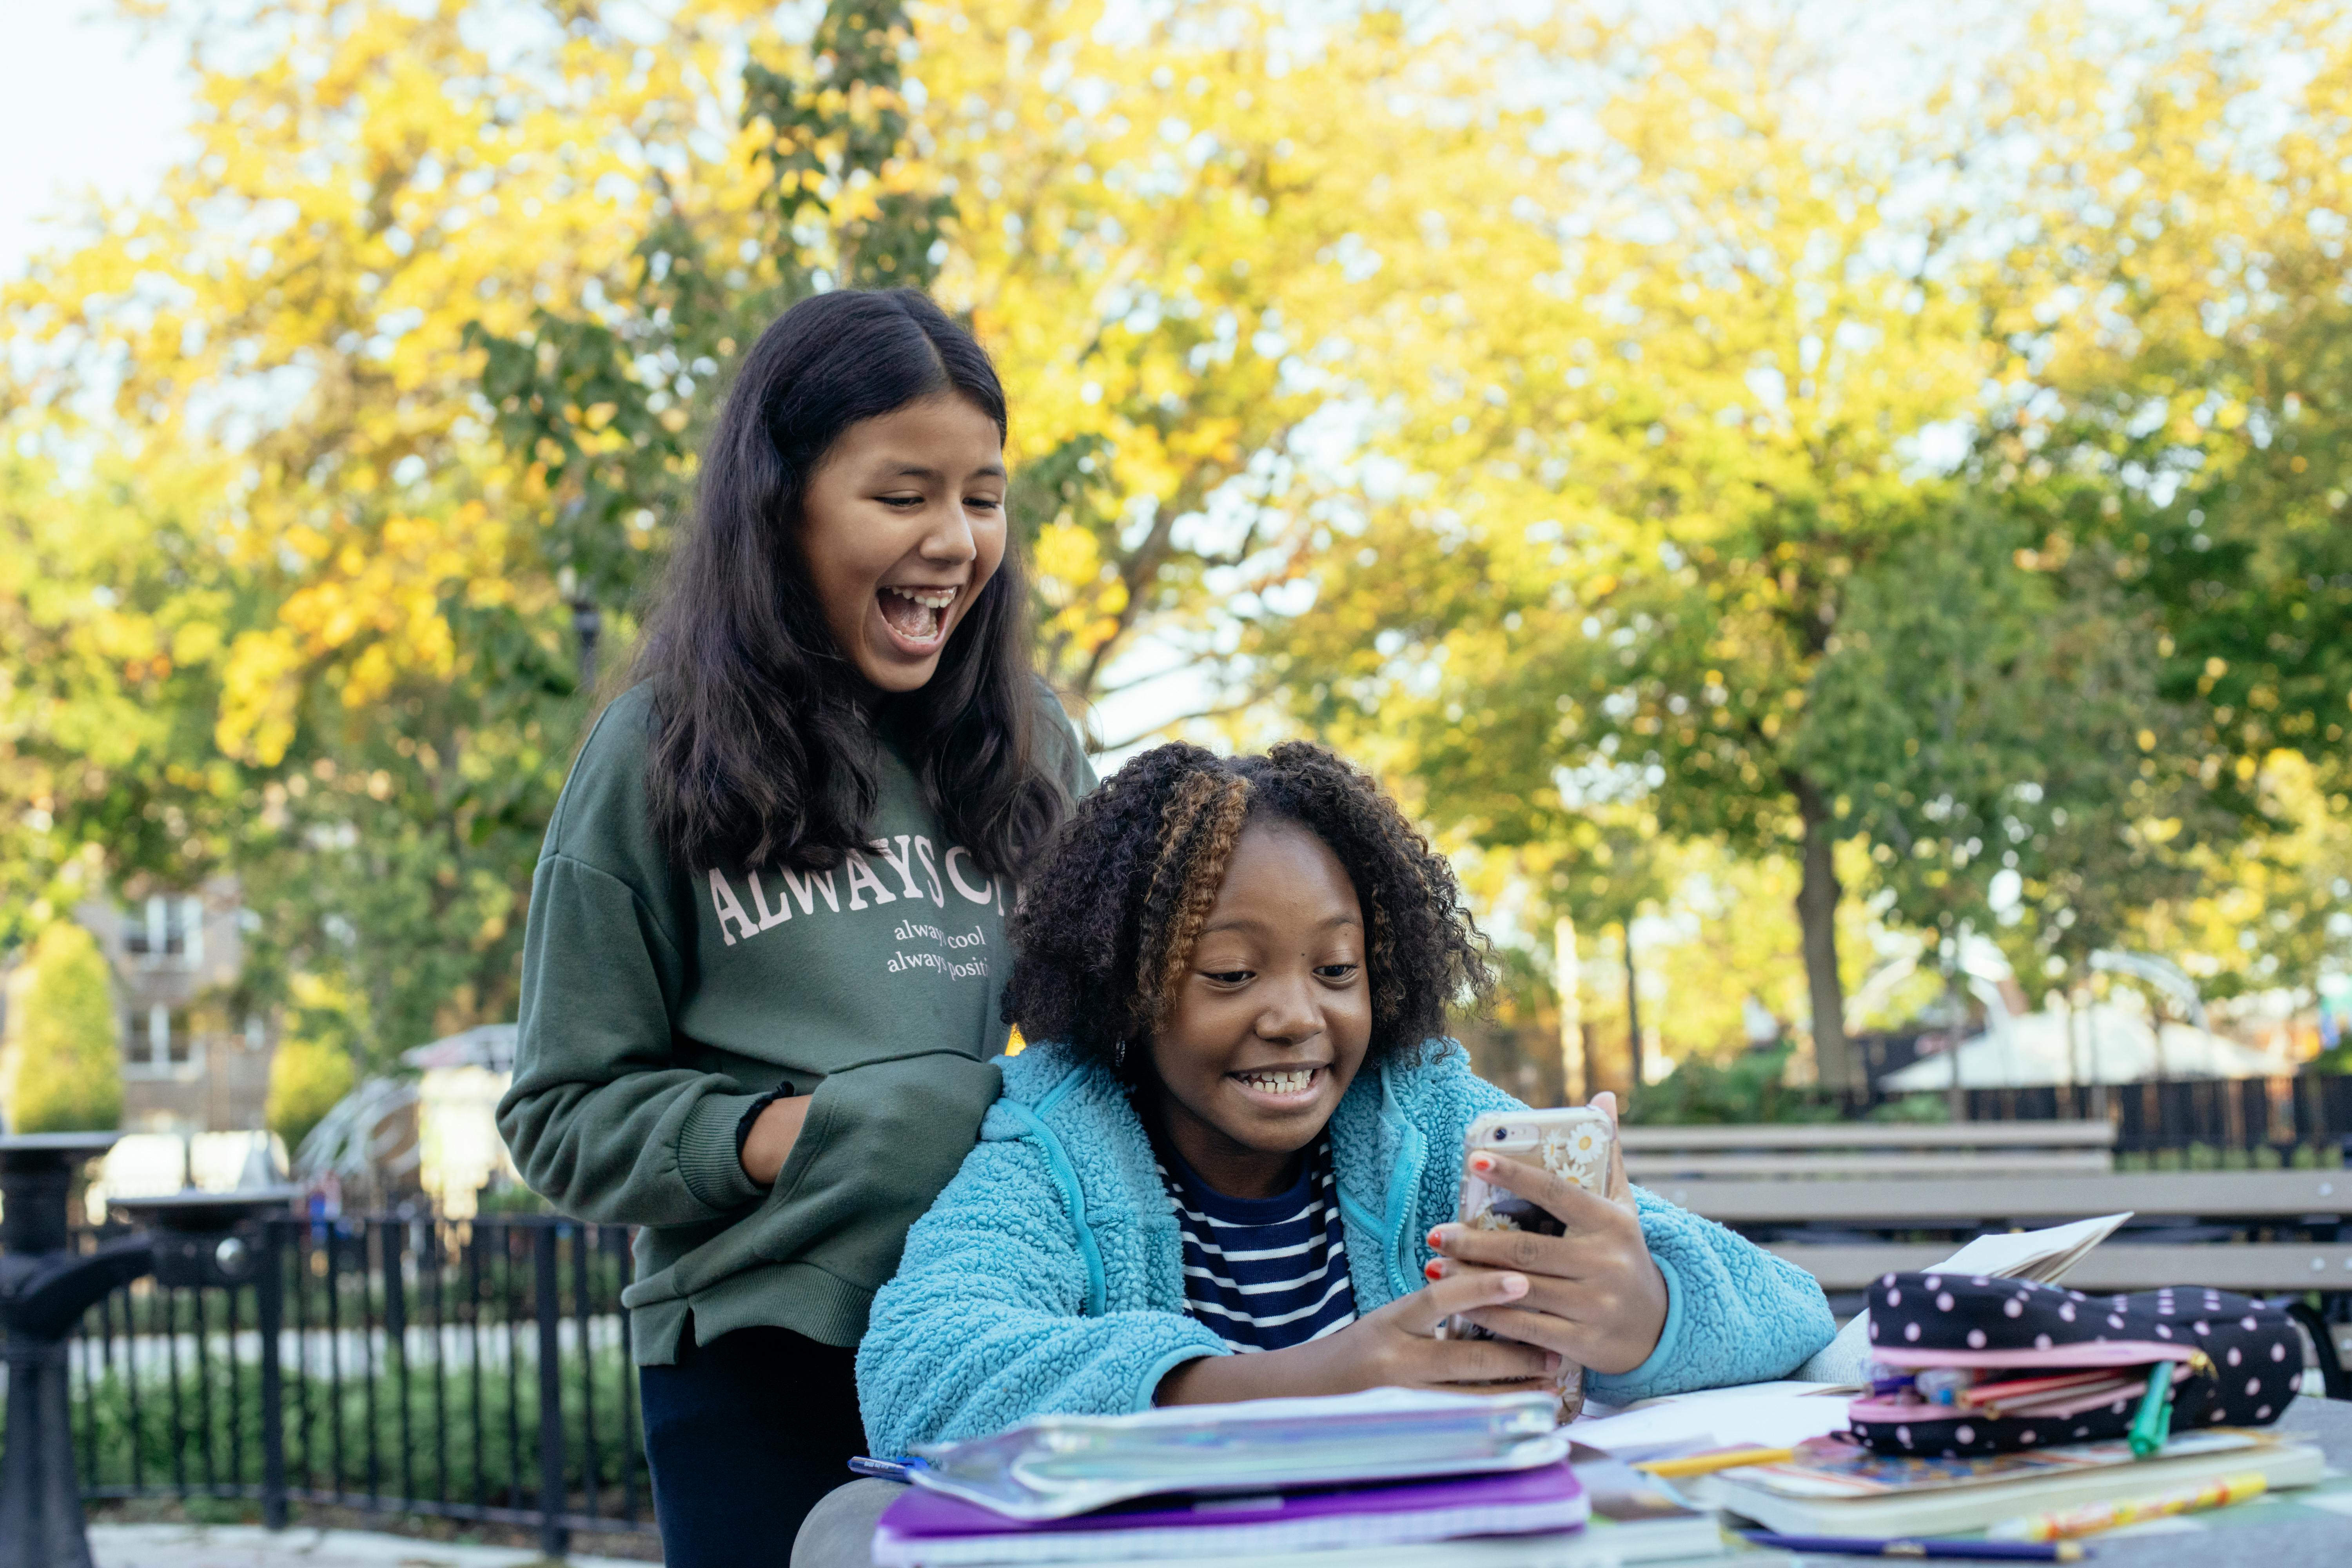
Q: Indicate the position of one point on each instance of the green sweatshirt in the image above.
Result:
(658, 1003)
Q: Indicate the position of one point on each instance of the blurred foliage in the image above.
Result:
(64, 1066)
(1747, 1088)
(1793, 526)
(306, 1076)
(1772, 483)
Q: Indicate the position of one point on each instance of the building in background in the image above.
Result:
(192, 1060)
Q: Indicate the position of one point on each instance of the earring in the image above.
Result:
(1118, 1056)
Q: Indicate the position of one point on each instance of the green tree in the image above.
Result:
(305, 1079)
(2009, 722)
(64, 1067)
(2180, 392)
(1674, 428)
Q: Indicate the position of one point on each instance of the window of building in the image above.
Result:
(161, 1039)
(167, 926)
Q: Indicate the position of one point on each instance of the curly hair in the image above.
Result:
(1115, 902)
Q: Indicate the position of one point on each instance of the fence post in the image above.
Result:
(554, 1540)
(269, 1300)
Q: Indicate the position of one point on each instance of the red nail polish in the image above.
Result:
(1482, 1163)
(1432, 1270)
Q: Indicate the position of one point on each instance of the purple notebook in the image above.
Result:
(933, 1529)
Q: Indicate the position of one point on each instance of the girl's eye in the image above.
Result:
(1338, 973)
(1227, 977)
(902, 504)
(983, 503)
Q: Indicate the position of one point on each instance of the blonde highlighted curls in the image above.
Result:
(1196, 844)
(1112, 908)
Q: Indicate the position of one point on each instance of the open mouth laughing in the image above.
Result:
(916, 613)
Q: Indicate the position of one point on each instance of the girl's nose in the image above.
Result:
(952, 540)
(1291, 1014)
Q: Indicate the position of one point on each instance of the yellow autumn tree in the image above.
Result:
(386, 701)
(63, 1072)
(407, 333)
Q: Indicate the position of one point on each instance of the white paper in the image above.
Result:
(2042, 1256)
(1761, 1415)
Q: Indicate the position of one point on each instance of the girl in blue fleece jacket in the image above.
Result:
(1229, 1170)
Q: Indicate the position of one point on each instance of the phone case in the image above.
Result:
(1571, 1141)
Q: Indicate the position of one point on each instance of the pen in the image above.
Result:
(2095, 1517)
(1974, 1550)
(2153, 1424)
(1707, 1464)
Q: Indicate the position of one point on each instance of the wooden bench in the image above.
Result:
(2254, 1267)
(2316, 1201)
(1870, 1150)
(1977, 1203)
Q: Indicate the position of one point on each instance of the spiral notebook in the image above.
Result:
(1058, 1466)
(930, 1530)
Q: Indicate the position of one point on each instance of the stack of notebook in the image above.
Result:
(1837, 1489)
(935, 1530)
(1359, 1477)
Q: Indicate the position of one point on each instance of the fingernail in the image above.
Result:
(1482, 1163)
(1514, 1284)
(1552, 1363)
(1435, 1268)
(1441, 1235)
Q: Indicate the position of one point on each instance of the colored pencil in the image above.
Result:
(1967, 1550)
(1707, 1464)
(2101, 1516)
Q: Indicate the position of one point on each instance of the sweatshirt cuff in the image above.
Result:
(707, 1159)
(1147, 1391)
(1670, 1334)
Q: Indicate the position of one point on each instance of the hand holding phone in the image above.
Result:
(1543, 1196)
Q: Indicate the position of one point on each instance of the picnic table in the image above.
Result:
(2311, 1525)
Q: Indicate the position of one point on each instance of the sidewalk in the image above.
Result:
(250, 1546)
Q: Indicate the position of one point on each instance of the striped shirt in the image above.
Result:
(1262, 1273)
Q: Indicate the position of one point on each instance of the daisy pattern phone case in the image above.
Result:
(1570, 1142)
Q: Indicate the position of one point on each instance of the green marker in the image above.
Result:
(2153, 1424)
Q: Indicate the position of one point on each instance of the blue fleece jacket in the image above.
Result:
(1049, 1276)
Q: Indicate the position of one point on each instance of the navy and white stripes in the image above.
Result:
(1262, 1273)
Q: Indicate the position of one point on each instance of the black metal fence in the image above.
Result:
(471, 1371)
(2282, 1114)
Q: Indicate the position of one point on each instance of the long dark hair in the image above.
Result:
(763, 750)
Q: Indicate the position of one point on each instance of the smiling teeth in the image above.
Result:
(1294, 1081)
(925, 606)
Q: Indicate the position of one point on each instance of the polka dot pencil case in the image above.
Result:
(1969, 1366)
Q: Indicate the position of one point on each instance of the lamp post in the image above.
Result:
(45, 1287)
(197, 1239)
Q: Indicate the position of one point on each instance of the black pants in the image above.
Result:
(743, 1435)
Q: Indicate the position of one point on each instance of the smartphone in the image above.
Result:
(1570, 1142)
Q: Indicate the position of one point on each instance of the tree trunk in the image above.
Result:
(1573, 1090)
(1632, 1018)
(1817, 903)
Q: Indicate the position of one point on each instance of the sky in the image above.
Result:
(84, 104)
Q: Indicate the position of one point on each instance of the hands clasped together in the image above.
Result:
(1592, 1296)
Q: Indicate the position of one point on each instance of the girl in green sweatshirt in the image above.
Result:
(766, 936)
